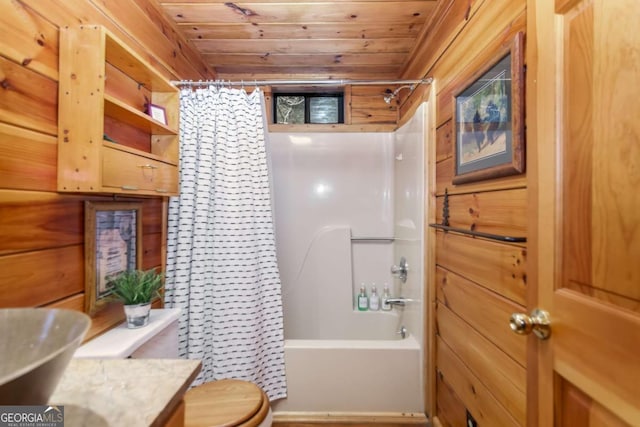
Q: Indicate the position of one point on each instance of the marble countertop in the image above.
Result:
(122, 392)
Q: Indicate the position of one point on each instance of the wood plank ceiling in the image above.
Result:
(310, 40)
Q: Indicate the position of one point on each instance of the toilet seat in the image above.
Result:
(226, 403)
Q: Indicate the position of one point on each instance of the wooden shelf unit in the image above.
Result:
(106, 141)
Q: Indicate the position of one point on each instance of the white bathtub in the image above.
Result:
(352, 376)
(339, 359)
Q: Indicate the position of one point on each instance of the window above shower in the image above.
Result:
(314, 108)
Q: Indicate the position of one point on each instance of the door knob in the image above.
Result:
(538, 323)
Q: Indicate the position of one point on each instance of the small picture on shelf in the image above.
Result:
(157, 112)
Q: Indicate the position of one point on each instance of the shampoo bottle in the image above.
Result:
(363, 300)
(374, 299)
(385, 296)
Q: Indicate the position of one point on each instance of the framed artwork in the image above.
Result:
(157, 112)
(488, 128)
(113, 244)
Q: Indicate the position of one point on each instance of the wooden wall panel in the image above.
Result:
(485, 310)
(29, 159)
(450, 409)
(503, 376)
(34, 224)
(367, 105)
(497, 212)
(496, 266)
(477, 397)
(361, 116)
(42, 244)
(152, 216)
(31, 279)
(444, 148)
(152, 250)
(29, 39)
(28, 99)
(444, 175)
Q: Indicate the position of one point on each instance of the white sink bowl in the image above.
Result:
(36, 344)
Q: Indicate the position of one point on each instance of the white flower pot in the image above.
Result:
(137, 315)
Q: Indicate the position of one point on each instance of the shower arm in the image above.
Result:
(392, 95)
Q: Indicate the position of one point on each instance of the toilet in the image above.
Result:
(228, 403)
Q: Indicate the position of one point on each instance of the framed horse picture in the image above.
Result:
(488, 115)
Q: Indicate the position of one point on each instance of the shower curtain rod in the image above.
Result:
(298, 82)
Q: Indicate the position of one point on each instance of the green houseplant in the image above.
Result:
(136, 289)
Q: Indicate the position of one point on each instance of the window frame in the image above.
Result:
(307, 103)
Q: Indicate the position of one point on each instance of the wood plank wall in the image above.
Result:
(42, 231)
(480, 363)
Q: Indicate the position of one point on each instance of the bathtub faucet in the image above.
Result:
(402, 332)
(398, 301)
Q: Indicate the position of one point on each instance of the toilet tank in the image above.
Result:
(162, 346)
(157, 340)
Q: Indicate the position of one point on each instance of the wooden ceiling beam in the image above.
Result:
(308, 47)
(326, 12)
(306, 60)
(311, 3)
(240, 73)
(350, 30)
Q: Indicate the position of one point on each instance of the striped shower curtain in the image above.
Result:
(221, 254)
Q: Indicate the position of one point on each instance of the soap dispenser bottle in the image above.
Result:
(385, 296)
(374, 299)
(363, 300)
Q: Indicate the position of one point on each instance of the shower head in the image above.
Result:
(389, 96)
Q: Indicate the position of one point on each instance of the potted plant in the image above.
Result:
(136, 289)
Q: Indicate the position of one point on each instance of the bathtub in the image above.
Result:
(367, 376)
(339, 359)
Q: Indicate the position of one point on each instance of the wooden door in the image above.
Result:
(583, 138)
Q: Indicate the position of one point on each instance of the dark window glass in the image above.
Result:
(324, 109)
(295, 108)
(289, 109)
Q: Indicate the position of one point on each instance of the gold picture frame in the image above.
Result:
(113, 243)
(488, 118)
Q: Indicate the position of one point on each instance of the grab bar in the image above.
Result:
(372, 239)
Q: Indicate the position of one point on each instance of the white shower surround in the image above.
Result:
(330, 187)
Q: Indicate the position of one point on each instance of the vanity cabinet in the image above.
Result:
(107, 142)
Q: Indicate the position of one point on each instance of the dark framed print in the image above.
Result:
(157, 112)
(488, 128)
(113, 244)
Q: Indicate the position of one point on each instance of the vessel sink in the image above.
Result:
(36, 344)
